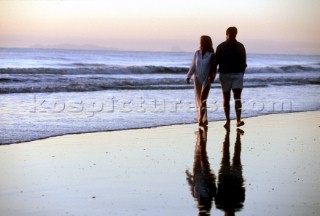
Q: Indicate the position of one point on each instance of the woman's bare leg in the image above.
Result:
(203, 98)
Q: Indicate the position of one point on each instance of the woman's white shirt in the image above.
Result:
(201, 66)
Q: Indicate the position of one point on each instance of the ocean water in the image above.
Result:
(46, 93)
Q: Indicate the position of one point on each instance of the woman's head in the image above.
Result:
(206, 43)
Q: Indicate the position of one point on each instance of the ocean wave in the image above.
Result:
(86, 85)
(95, 69)
(91, 69)
(284, 69)
(76, 84)
(6, 80)
(36, 80)
(85, 65)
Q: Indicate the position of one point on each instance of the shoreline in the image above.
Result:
(155, 171)
(139, 128)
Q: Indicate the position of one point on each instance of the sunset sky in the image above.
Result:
(265, 26)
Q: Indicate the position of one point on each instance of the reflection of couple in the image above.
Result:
(231, 59)
(229, 192)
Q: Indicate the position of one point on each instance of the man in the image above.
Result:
(231, 58)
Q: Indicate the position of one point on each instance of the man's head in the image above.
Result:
(231, 33)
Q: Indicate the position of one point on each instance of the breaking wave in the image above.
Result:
(99, 77)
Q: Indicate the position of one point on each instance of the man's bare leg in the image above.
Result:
(238, 105)
(226, 107)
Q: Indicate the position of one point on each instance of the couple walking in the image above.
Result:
(231, 60)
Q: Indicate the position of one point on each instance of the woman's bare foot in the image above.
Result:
(227, 125)
(200, 124)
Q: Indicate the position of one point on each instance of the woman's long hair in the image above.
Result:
(206, 44)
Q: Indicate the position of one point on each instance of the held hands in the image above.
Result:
(210, 79)
(188, 80)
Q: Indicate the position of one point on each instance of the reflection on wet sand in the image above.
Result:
(229, 192)
(202, 181)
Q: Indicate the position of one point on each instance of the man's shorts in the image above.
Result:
(231, 81)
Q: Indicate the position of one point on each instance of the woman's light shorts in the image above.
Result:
(231, 81)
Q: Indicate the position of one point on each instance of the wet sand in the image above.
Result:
(272, 169)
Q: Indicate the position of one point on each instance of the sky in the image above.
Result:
(264, 26)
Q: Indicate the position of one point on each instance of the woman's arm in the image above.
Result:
(192, 68)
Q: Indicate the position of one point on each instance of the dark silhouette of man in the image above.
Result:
(230, 188)
(231, 59)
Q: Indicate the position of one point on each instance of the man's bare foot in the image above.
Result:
(240, 123)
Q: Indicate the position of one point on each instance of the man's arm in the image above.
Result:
(243, 59)
(213, 68)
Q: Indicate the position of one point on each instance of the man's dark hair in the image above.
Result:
(232, 31)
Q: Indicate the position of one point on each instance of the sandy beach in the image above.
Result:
(272, 167)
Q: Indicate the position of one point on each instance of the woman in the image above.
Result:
(204, 71)
(202, 181)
